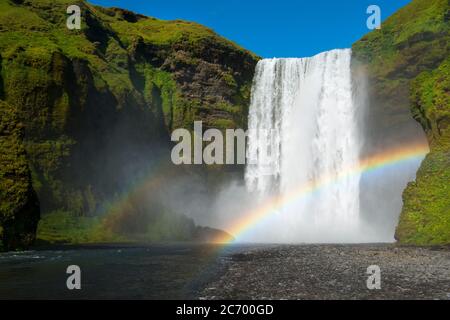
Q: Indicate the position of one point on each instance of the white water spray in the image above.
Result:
(303, 128)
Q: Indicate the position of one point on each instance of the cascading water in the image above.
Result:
(303, 134)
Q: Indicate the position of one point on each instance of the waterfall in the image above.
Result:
(303, 130)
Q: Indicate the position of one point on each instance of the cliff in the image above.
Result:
(86, 116)
(408, 63)
(98, 104)
(19, 207)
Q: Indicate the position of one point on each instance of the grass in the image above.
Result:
(63, 227)
(407, 39)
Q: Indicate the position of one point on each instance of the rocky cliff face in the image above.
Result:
(408, 64)
(98, 104)
(86, 113)
(19, 207)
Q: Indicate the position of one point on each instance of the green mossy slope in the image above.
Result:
(98, 104)
(19, 206)
(408, 63)
(426, 214)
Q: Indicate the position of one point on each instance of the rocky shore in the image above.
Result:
(333, 272)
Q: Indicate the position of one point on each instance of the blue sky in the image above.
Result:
(282, 28)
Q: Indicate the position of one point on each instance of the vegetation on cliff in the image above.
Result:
(98, 104)
(408, 63)
(87, 113)
(19, 207)
(426, 213)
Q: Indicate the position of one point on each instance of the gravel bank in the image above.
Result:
(333, 272)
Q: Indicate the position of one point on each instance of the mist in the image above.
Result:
(376, 202)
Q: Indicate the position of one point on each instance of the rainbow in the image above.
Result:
(152, 180)
(271, 205)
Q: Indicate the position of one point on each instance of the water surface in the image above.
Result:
(171, 271)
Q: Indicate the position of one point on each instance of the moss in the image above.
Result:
(222, 123)
(166, 33)
(229, 79)
(64, 227)
(431, 100)
(161, 89)
(19, 207)
(426, 214)
(122, 80)
(411, 38)
(408, 60)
